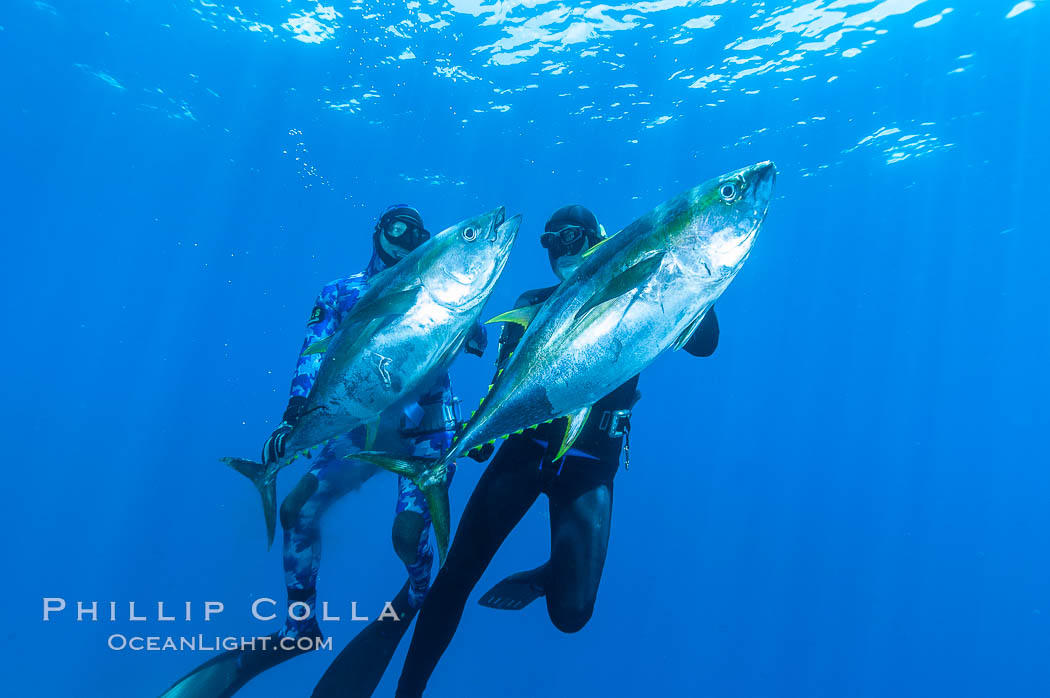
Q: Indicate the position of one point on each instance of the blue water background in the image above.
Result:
(848, 499)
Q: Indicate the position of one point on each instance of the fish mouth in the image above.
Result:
(507, 232)
(498, 217)
(763, 177)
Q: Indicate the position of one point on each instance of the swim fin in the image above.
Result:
(516, 591)
(357, 670)
(224, 675)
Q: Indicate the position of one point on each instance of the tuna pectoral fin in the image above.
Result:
(573, 430)
(689, 330)
(396, 303)
(364, 312)
(434, 489)
(267, 486)
(628, 280)
(412, 467)
(520, 316)
(317, 347)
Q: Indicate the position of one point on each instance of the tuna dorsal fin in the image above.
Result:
(573, 429)
(591, 251)
(318, 347)
(689, 330)
(520, 316)
(627, 280)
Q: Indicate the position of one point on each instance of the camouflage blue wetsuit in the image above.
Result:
(425, 429)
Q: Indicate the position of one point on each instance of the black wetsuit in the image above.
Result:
(579, 490)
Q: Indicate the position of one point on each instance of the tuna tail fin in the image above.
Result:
(267, 486)
(429, 477)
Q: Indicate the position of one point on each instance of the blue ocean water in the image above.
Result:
(847, 499)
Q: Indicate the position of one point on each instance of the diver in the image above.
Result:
(578, 486)
(425, 428)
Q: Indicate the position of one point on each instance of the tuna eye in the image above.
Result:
(470, 234)
(728, 191)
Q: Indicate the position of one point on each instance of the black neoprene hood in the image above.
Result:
(574, 214)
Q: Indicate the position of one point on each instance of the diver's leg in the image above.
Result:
(506, 490)
(331, 476)
(411, 537)
(580, 523)
(581, 506)
(359, 667)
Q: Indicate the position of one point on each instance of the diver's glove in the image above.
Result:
(482, 453)
(273, 449)
(477, 341)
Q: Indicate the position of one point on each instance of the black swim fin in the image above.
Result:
(224, 675)
(358, 669)
(516, 591)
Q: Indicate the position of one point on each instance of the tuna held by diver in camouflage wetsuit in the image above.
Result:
(402, 333)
